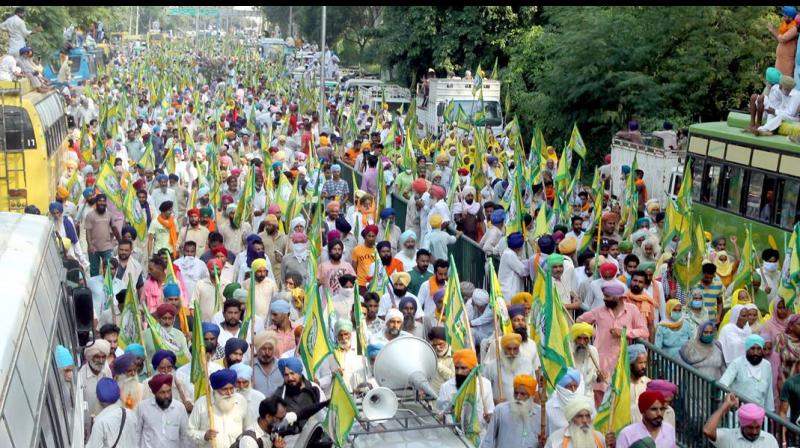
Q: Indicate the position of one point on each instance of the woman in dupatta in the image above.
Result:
(787, 344)
(739, 297)
(695, 313)
(673, 332)
(732, 335)
(704, 353)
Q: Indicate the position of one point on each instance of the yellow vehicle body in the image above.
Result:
(117, 37)
(155, 38)
(33, 130)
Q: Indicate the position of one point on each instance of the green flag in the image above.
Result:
(465, 407)
(614, 412)
(342, 412)
(198, 376)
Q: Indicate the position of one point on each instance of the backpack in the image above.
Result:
(248, 433)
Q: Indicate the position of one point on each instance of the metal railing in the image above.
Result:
(699, 396)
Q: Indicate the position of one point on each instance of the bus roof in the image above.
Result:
(723, 130)
(23, 247)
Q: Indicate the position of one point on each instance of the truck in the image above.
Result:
(663, 168)
(433, 102)
(397, 97)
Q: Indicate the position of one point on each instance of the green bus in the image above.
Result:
(738, 178)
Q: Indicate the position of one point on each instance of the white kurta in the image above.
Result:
(228, 425)
(447, 395)
(106, 428)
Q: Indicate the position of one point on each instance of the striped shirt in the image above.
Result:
(712, 293)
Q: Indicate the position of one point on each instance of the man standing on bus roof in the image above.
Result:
(17, 31)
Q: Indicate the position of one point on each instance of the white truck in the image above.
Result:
(663, 168)
(431, 105)
(396, 97)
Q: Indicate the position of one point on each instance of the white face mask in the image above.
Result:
(347, 293)
(299, 248)
(770, 266)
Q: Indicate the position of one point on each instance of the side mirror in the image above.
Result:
(84, 315)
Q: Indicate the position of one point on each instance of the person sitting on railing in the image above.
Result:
(632, 134)
(751, 376)
(749, 433)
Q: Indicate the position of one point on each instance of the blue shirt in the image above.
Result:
(756, 388)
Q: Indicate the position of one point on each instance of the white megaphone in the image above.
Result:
(406, 361)
(379, 404)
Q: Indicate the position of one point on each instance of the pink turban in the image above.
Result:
(750, 414)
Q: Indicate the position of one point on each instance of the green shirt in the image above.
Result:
(791, 392)
(417, 279)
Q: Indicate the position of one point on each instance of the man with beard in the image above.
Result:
(100, 230)
(609, 321)
(587, 360)
(265, 288)
(244, 373)
(172, 338)
(750, 375)
(420, 274)
(231, 233)
(231, 321)
(110, 427)
(408, 306)
(282, 325)
(444, 356)
(387, 218)
(436, 282)
(464, 361)
(569, 387)
(468, 215)
(230, 413)
(637, 296)
(127, 266)
(511, 363)
(214, 353)
(407, 252)
(195, 231)
(332, 270)
(515, 422)
(652, 426)
(343, 360)
(90, 373)
(392, 329)
(344, 298)
(263, 433)
(637, 355)
(593, 297)
(162, 421)
(235, 349)
(193, 268)
(519, 325)
(303, 398)
(580, 433)
(275, 242)
(163, 193)
(163, 362)
(389, 264)
(127, 376)
(399, 292)
(267, 378)
(749, 433)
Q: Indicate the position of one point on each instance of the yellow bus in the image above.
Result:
(33, 128)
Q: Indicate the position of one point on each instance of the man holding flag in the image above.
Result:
(465, 362)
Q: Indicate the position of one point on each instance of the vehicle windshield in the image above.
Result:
(492, 115)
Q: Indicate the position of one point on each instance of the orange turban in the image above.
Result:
(526, 381)
(465, 356)
(62, 193)
(510, 338)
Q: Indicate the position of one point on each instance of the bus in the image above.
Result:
(738, 178)
(33, 128)
(38, 407)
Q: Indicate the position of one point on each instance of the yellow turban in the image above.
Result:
(70, 163)
(62, 193)
(526, 381)
(568, 245)
(465, 356)
(509, 339)
(265, 336)
(523, 298)
(400, 277)
(435, 220)
(258, 263)
(581, 329)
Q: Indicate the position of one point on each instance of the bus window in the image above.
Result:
(754, 195)
(732, 188)
(19, 134)
(698, 170)
(787, 213)
(711, 187)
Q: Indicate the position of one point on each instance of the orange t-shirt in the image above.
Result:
(394, 266)
(363, 257)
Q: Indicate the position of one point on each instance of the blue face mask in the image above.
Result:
(697, 304)
(676, 316)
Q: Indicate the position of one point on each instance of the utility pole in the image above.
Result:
(291, 30)
(322, 69)
(130, 20)
(137, 20)
(196, 23)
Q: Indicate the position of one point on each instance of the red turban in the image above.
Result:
(166, 308)
(608, 269)
(372, 228)
(215, 262)
(437, 191)
(647, 398)
(139, 184)
(159, 381)
(419, 185)
(609, 216)
(193, 212)
(463, 171)
(219, 250)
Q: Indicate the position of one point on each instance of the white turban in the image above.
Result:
(298, 221)
(99, 346)
(480, 297)
(394, 313)
(469, 190)
(575, 406)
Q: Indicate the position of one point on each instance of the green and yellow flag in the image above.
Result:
(249, 310)
(465, 407)
(314, 343)
(198, 374)
(455, 314)
(342, 412)
(130, 325)
(496, 301)
(134, 215)
(790, 282)
(108, 183)
(245, 206)
(576, 142)
(554, 350)
(744, 278)
(614, 412)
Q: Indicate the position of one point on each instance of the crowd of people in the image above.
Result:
(202, 185)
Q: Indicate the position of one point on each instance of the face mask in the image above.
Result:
(707, 338)
(675, 316)
(754, 359)
(697, 304)
(770, 266)
(347, 292)
(299, 248)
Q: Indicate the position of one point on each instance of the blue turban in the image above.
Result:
(571, 376)
(162, 355)
(123, 363)
(161, 177)
(202, 191)
(172, 290)
(498, 217)
(56, 206)
(209, 327)
(234, 344)
(516, 310)
(336, 168)
(406, 235)
(107, 390)
(294, 364)
(243, 371)
(773, 75)
(752, 340)
(546, 244)
(515, 240)
(342, 225)
(373, 349)
(626, 169)
(222, 378)
(789, 11)
(136, 349)
(277, 164)
(131, 230)
(88, 192)
(279, 306)
(491, 159)
(634, 350)
(406, 300)
(387, 212)
(63, 357)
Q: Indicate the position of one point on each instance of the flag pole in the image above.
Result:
(543, 405)
(497, 357)
(204, 362)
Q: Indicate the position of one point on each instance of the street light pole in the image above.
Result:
(322, 69)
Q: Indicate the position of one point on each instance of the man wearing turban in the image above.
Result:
(90, 373)
(637, 355)
(580, 432)
(481, 315)
(107, 425)
(231, 233)
(516, 421)
(244, 374)
(303, 397)
(464, 361)
(195, 231)
(585, 355)
(512, 362)
(513, 268)
(651, 405)
(126, 374)
(569, 387)
(519, 325)
(750, 375)
(162, 420)
(229, 409)
(468, 215)
(387, 220)
(163, 362)
(593, 299)
(171, 338)
(437, 239)
(265, 287)
(751, 421)
(344, 360)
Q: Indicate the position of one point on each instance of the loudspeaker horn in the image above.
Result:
(379, 404)
(406, 361)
